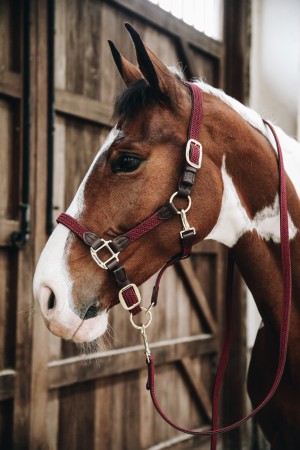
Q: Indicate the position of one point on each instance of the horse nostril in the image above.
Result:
(91, 312)
(51, 301)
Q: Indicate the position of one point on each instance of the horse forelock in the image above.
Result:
(135, 98)
(140, 95)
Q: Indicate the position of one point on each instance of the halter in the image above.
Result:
(129, 294)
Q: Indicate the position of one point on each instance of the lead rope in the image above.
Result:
(284, 327)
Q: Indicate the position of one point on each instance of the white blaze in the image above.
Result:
(52, 273)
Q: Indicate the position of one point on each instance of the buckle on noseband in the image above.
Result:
(134, 294)
(188, 149)
(104, 244)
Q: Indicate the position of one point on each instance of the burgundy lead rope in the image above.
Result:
(284, 327)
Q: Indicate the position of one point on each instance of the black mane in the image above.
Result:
(135, 98)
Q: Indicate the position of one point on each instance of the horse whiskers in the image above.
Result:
(29, 310)
(28, 313)
(109, 335)
(89, 348)
(101, 344)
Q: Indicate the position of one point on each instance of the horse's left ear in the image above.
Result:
(154, 70)
(128, 71)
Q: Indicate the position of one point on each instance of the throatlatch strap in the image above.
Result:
(284, 324)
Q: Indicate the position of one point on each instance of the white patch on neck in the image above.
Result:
(290, 147)
(77, 204)
(234, 221)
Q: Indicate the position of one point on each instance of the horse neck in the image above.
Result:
(249, 218)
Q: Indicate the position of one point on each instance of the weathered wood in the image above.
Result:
(198, 293)
(30, 415)
(7, 383)
(82, 107)
(7, 227)
(9, 158)
(114, 362)
(198, 386)
(207, 247)
(77, 430)
(236, 35)
(11, 84)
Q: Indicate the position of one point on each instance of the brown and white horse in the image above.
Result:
(235, 202)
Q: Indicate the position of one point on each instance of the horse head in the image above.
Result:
(135, 171)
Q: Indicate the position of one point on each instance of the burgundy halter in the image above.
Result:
(130, 297)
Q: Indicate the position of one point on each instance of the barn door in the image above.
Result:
(15, 285)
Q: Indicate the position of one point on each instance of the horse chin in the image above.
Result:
(80, 332)
(91, 329)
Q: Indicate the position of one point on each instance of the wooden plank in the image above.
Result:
(7, 383)
(236, 35)
(82, 107)
(187, 270)
(76, 417)
(11, 84)
(168, 24)
(9, 158)
(31, 336)
(113, 362)
(207, 247)
(103, 416)
(7, 227)
(197, 386)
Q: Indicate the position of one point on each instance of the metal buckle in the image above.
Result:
(137, 294)
(103, 264)
(187, 153)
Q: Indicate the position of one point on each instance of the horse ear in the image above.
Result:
(154, 70)
(128, 71)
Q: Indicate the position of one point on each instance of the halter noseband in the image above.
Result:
(129, 294)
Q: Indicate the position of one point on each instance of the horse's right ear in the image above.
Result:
(128, 71)
(153, 69)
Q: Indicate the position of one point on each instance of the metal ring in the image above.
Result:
(146, 325)
(188, 206)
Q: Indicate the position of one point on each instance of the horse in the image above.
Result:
(234, 201)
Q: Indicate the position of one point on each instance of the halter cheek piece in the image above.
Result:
(130, 297)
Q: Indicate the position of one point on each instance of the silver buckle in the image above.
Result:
(187, 153)
(103, 264)
(122, 299)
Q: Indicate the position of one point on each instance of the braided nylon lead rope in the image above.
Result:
(284, 327)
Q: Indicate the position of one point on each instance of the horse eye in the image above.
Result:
(125, 163)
